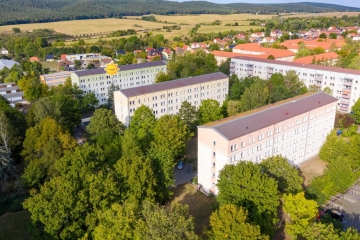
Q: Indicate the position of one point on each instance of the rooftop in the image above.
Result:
(7, 63)
(256, 119)
(131, 92)
(96, 71)
(322, 57)
(302, 65)
(56, 74)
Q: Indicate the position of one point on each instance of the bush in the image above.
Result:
(352, 130)
(11, 204)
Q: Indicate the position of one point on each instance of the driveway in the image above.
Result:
(185, 175)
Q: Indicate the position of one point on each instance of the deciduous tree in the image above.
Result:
(255, 96)
(230, 222)
(189, 115)
(209, 111)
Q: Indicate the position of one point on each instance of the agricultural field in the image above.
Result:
(101, 26)
(327, 14)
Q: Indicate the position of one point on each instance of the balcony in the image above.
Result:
(345, 101)
(344, 108)
(347, 83)
(318, 77)
(270, 70)
(345, 96)
(346, 90)
(232, 64)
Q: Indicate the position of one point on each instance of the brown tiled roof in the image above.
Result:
(256, 119)
(131, 92)
(323, 56)
(83, 73)
(302, 65)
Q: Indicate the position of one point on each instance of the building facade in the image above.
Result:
(54, 79)
(12, 93)
(344, 83)
(129, 76)
(166, 97)
(294, 128)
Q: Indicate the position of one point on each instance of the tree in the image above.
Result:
(162, 77)
(356, 111)
(271, 57)
(189, 115)
(245, 185)
(119, 221)
(43, 146)
(16, 30)
(287, 176)
(137, 177)
(67, 204)
(168, 222)
(314, 88)
(225, 67)
(110, 100)
(230, 222)
(233, 107)
(88, 102)
(214, 46)
(90, 66)
(32, 87)
(355, 63)
(128, 58)
(320, 231)
(7, 164)
(172, 133)
(293, 83)
(78, 64)
(209, 111)
(141, 125)
(300, 213)
(322, 35)
(327, 90)
(255, 96)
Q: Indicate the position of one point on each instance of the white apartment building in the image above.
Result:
(166, 97)
(344, 83)
(129, 76)
(295, 128)
(11, 92)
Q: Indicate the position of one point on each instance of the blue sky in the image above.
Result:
(351, 3)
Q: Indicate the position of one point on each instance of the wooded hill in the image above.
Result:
(19, 11)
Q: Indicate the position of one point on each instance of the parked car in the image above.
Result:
(180, 165)
(339, 132)
(335, 214)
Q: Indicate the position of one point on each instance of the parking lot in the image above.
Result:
(349, 205)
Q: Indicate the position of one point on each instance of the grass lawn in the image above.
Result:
(13, 226)
(311, 168)
(51, 65)
(200, 205)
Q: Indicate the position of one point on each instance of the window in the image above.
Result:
(214, 143)
(214, 154)
(213, 164)
(213, 175)
(234, 147)
(243, 144)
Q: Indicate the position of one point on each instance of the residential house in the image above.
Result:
(4, 51)
(34, 59)
(7, 63)
(167, 54)
(65, 65)
(294, 128)
(119, 52)
(167, 97)
(49, 57)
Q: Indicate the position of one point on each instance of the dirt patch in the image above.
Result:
(200, 205)
(312, 168)
(13, 226)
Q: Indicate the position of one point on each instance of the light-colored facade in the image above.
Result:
(129, 76)
(166, 98)
(73, 57)
(294, 128)
(12, 93)
(54, 79)
(344, 83)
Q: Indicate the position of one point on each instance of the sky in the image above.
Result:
(351, 3)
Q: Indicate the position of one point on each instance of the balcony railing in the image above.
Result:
(318, 78)
(345, 101)
(344, 108)
(348, 84)
(345, 96)
(348, 90)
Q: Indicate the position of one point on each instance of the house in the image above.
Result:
(81, 56)
(341, 81)
(129, 76)
(149, 49)
(293, 45)
(34, 59)
(11, 92)
(195, 45)
(167, 54)
(328, 58)
(4, 51)
(49, 57)
(167, 97)
(65, 65)
(294, 128)
(54, 79)
(7, 63)
(268, 40)
(216, 40)
(186, 48)
(257, 35)
(257, 49)
(154, 53)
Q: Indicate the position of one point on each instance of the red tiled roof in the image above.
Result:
(323, 56)
(311, 44)
(254, 120)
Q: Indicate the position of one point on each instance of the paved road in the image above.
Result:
(80, 135)
(185, 175)
(349, 205)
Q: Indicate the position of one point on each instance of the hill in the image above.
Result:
(19, 11)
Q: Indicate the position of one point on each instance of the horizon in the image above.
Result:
(348, 3)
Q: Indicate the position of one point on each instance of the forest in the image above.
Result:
(18, 12)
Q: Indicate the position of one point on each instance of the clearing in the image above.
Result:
(13, 226)
(311, 168)
(200, 205)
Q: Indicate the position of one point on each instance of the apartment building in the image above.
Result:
(295, 128)
(344, 83)
(129, 76)
(54, 79)
(11, 92)
(166, 97)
